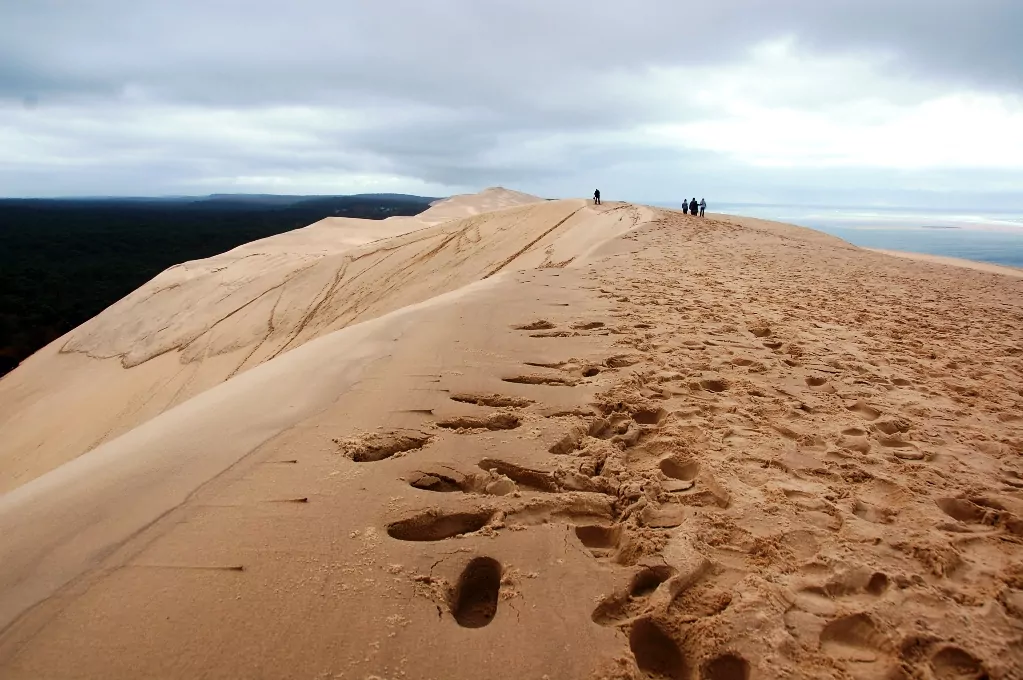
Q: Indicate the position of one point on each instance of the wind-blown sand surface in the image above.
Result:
(555, 440)
(955, 261)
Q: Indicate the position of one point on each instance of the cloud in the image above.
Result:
(119, 97)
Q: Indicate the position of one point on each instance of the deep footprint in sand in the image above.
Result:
(547, 380)
(474, 598)
(492, 400)
(494, 421)
(525, 477)
(631, 602)
(656, 653)
(539, 325)
(602, 540)
(439, 481)
(435, 525)
(725, 667)
(378, 446)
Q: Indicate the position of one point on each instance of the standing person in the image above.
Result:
(685, 208)
(596, 197)
(703, 206)
(693, 207)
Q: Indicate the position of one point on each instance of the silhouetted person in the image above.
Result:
(685, 208)
(693, 207)
(703, 206)
(596, 197)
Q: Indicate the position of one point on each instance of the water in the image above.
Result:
(986, 236)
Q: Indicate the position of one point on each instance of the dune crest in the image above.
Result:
(200, 323)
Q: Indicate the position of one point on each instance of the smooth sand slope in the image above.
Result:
(202, 322)
(555, 440)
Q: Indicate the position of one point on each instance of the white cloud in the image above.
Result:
(782, 108)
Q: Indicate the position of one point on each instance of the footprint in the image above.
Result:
(649, 579)
(475, 597)
(891, 426)
(855, 638)
(588, 325)
(494, 421)
(435, 525)
(714, 384)
(1012, 478)
(378, 446)
(819, 384)
(852, 582)
(981, 510)
(632, 601)
(623, 360)
(532, 479)
(682, 473)
(545, 364)
(952, 663)
(539, 325)
(650, 416)
(602, 540)
(864, 410)
(902, 449)
(445, 482)
(726, 667)
(964, 510)
(553, 334)
(873, 513)
(554, 381)
(493, 400)
(655, 652)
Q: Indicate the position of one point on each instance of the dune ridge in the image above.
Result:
(594, 442)
(203, 322)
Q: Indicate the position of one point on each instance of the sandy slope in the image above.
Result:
(719, 448)
(201, 322)
(957, 262)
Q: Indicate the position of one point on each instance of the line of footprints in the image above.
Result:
(617, 522)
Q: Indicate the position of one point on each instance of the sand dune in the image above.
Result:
(202, 322)
(554, 440)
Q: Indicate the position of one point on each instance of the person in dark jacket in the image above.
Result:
(596, 197)
(693, 207)
(685, 208)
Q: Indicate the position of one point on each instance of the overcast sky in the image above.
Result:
(906, 102)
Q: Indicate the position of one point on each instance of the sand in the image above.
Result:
(553, 440)
(956, 262)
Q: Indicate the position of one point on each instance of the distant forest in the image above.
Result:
(63, 261)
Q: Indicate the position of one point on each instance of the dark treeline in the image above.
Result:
(64, 261)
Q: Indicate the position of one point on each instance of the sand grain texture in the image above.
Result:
(555, 440)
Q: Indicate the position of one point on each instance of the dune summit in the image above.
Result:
(516, 438)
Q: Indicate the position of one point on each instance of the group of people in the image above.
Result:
(692, 207)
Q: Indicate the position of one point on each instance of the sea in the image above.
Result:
(985, 236)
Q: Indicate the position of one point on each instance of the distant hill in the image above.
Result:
(62, 261)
